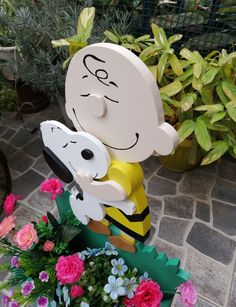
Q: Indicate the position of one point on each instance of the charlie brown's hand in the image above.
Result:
(84, 179)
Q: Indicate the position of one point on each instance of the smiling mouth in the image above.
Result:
(112, 147)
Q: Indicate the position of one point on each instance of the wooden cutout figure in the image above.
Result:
(72, 152)
(111, 94)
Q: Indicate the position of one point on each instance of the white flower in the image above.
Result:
(91, 263)
(84, 304)
(114, 287)
(130, 286)
(119, 268)
(143, 277)
(110, 249)
(90, 288)
(105, 298)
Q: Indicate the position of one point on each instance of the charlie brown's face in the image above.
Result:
(111, 94)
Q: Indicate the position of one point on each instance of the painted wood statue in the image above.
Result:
(111, 97)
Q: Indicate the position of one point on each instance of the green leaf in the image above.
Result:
(224, 60)
(175, 64)
(168, 111)
(197, 84)
(142, 38)
(171, 89)
(85, 23)
(53, 221)
(60, 43)
(161, 66)
(153, 70)
(197, 69)
(232, 113)
(185, 75)
(134, 47)
(217, 116)
(112, 37)
(219, 148)
(209, 76)
(148, 53)
(68, 233)
(187, 100)
(187, 54)
(207, 95)
(229, 89)
(174, 38)
(210, 107)
(174, 102)
(202, 135)
(221, 94)
(186, 129)
(160, 36)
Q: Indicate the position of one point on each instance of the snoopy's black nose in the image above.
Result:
(87, 154)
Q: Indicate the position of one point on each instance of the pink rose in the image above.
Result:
(48, 246)
(9, 203)
(188, 294)
(26, 237)
(76, 291)
(53, 186)
(148, 294)
(128, 302)
(69, 268)
(6, 225)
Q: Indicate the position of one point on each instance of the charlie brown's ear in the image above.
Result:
(166, 139)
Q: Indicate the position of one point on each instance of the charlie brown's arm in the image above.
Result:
(108, 190)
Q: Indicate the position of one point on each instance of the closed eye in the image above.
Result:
(84, 95)
(116, 101)
(65, 145)
(74, 142)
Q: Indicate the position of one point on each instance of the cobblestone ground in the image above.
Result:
(193, 213)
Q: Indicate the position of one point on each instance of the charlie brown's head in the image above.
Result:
(111, 94)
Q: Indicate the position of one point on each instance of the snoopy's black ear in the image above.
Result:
(57, 166)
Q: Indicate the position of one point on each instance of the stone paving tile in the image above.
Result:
(211, 278)
(155, 207)
(20, 161)
(166, 173)
(8, 134)
(179, 206)
(203, 211)
(196, 183)
(41, 201)
(152, 231)
(227, 170)
(209, 242)
(200, 303)
(21, 138)
(158, 186)
(6, 148)
(173, 230)
(35, 148)
(232, 297)
(225, 191)
(14, 174)
(224, 217)
(150, 165)
(26, 183)
(3, 129)
(25, 215)
(211, 168)
(42, 166)
(170, 250)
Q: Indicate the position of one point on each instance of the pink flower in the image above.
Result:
(9, 203)
(44, 219)
(48, 246)
(53, 186)
(6, 225)
(128, 302)
(148, 294)
(76, 291)
(26, 237)
(188, 294)
(69, 268)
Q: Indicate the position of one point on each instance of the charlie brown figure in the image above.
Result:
(111, 94)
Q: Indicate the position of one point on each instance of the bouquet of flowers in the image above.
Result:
(47, 270)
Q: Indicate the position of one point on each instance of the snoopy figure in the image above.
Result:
(68, 152)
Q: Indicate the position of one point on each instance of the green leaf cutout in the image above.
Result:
(171, 89)
(186, 129)
(219, 148)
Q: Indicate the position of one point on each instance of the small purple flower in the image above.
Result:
(5, 300)
(42, 301)
(27, 288)
(43, 276)
(15, 262)
(13, 304)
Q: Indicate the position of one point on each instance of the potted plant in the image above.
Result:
(198, 94)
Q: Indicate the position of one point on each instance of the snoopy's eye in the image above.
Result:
(65, 145)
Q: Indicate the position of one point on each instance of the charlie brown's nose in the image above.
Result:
(96, 105)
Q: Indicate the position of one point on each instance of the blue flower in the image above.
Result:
(84, 304)
(130, 286)
(143, 277)
(114, 287)
(110, 249)
(91, 252)
(119, 268)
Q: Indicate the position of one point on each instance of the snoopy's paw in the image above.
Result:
(129, 208)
